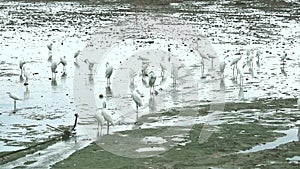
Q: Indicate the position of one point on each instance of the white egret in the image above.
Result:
(15, 98)
(163, 69)
(91, 65)
(258, 53)
(63, 61)
(53, 69)
(108, 73)
(234, 63)
(49, 46)
(143, 58)
(283, 57)
(26, 75)
(202, 57)
(152, 79)
(106, 115)
(222, 68)
(250, 61)
(76, 54)
(144, 69)
(21, 66)
(240, 72)
(100, 119)
(132, 75)
(136, 96)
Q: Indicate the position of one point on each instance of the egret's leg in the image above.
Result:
(101, 131)
(107, 128)
(15, 105)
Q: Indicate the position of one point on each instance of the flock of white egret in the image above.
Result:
(25, 73)
(102, 114)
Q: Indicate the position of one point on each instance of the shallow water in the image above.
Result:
(291, 135)
(98, 31)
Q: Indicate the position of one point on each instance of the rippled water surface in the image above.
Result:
(120, 34)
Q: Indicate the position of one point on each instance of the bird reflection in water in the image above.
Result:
(77, 66)
(152, 104)
(241, 93)
(53, 82)
(174, 96)
(63, 77)
(21, 79)
(222, 85)
(50, 56)
(26, 93)
(108, 92)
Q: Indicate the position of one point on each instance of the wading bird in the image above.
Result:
(108, 73)
(283, 57)
(15, 98)
(234, 63)
(76, 54)
(63, 61)
(152, 79)
(100, 119)
(26, 75)
(106, 115)
(53, 69)
(240, 72)
(21, 66)
(144, 69)
(136, 96)
(49, 47)
(132, 75)
(163, 70)
(91, 65)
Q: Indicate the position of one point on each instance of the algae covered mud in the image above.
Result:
(243, 117)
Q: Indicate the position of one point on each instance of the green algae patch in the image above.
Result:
(219, 150)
